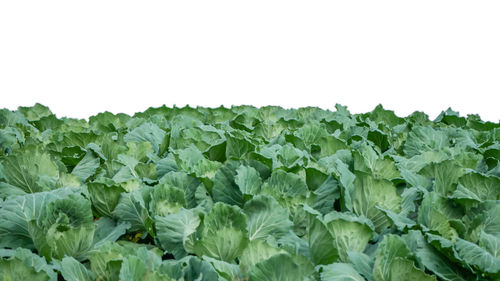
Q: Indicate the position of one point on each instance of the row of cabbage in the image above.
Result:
(247, 193)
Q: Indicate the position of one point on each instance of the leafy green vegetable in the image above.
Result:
(245, 193)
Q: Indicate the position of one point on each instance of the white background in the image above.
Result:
(83, 57)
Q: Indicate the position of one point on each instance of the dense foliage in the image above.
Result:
(248, 193)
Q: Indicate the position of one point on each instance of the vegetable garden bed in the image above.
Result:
(247, 193)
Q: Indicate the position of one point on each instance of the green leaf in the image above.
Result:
(294, 244)
(362, 263)
(141, 152)
(485, 217)
(340, 272)
(184, 182)
(35, 112)
(485, 258)
(346, 179)
(30, 170)
(422, 139)
(225, 270)
(370, 193)
(86, 167)
(431, 215)
(255, 252)
(390, 248)
(404, 270)
(248, 180)
(311, 133)
(107, 230)
(349, 232)
(225, 189)
(366, 160)
(72, 270)
(326, 195)
(432, 259)
(224, 235)
(104, 196)
(60, 242)
(399, 220)
(105, 263)
(282, 185)
(166, 165)
(131, 208)
(15, 269)
(147, 132)
(64, 227)
(166, 200)
(21, 258)
(199, 270)
(276, 268)
(17, 213)
(329, 145)
(482, 186)
(174, 231)
(465, 197)
(291, 157)
(238, 147)
(445, 175)
(451, 117)
(138, 269)
(266, 217)
(193, 162)
(320, 241)
(381, 115)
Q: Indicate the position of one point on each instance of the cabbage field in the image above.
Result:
(246, 193)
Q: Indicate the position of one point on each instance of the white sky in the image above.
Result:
(84, 57)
